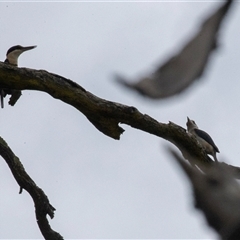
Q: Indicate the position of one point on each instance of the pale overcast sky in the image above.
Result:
(103, 188)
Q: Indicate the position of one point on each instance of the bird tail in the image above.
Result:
(215, 156)
(2, 98)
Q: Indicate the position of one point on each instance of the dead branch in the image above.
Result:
(217, 195)
(41, 202)
(104, 115)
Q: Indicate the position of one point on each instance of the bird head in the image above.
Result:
(14, 52)
(191, 124)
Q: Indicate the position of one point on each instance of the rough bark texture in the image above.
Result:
(104, 115)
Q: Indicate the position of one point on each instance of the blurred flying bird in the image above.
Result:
(181, 70)
(12, 58)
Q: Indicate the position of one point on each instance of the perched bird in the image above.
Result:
(12, 58)
(203, 138)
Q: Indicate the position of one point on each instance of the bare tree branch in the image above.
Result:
(217, 195)
(180, 71)
(41, 202)
(104, 115)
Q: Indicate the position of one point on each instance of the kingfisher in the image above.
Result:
(12, 58)
(203, 138)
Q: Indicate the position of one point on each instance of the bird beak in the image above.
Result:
(188, 119)
(28, 48)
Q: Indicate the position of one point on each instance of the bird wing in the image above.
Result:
(206, 137)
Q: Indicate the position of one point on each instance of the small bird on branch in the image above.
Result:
(12, 58)
(203, 138)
